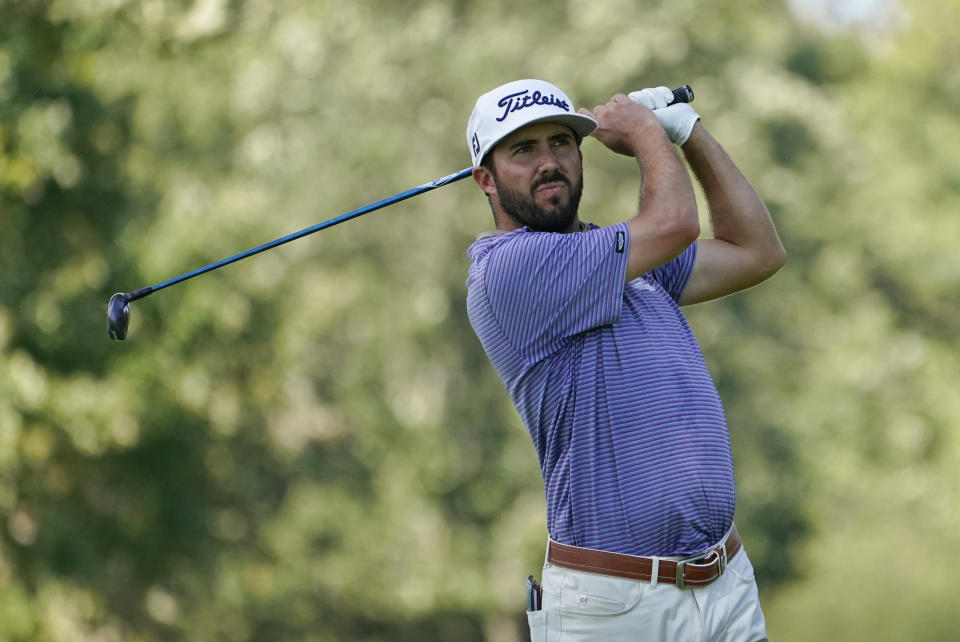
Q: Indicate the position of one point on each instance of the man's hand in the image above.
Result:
(677, 120)
(622, 125)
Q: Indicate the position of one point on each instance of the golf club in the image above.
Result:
(118, 308)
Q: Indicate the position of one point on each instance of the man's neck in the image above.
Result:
(504, 224)
(580, 227)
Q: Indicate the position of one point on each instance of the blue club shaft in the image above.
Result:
(396, 198)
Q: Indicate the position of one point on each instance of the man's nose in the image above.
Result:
(547, 160)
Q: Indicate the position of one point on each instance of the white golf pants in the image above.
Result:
(580, 606)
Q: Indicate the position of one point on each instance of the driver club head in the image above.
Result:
(118, 316)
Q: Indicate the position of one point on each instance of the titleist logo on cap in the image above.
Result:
(523, 99)
(530, 101)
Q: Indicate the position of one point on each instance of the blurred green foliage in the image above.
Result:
(311, 445)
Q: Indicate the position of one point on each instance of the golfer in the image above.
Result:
(584, 328)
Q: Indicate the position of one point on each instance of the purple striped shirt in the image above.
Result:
(610, 381)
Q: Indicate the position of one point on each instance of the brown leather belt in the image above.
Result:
(704, 569)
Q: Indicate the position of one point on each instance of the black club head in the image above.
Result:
(118, 316)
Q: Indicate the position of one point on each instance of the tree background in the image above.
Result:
(311, 444)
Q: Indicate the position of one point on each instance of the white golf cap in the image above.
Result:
(504, 110)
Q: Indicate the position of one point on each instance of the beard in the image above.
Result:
(523, 208)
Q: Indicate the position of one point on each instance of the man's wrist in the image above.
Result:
(649, 136)
(699, 141)
(696, 135)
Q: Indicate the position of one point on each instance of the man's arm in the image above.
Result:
(666, 221)
(745, 248)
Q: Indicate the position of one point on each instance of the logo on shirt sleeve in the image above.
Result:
(620, 243)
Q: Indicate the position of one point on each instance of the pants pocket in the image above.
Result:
(537, 620)
(597, 595)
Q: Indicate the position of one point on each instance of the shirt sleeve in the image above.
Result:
(673, 275)
(544, 288)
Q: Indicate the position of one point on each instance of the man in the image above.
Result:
(583, 326)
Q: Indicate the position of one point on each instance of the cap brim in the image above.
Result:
(581, 125)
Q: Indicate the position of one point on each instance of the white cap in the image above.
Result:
(509, 107)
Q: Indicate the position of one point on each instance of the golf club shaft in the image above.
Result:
(681, 94)
(142, 292)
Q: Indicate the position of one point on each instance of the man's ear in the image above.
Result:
(484, 178)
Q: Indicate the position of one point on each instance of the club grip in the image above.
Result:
(683, 94)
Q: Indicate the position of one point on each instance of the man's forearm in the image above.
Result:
(737, 213)
(666, 221)
(665, 180)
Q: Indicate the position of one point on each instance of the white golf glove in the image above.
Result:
(677, 120)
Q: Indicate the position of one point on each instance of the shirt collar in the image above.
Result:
(584, 227)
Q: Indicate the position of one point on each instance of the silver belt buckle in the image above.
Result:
(721, 554)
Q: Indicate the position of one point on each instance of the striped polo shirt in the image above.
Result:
(611, 384)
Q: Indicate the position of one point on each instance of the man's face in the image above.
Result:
(539, 177)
